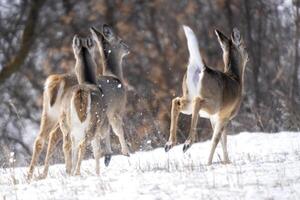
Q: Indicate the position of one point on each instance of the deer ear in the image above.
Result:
(76, 41)
(89, 42)
(107, 31)
(223, 40)
(236, 36)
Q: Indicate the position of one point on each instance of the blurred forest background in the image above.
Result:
(36, 40)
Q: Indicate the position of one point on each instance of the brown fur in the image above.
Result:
(53, 87)
(80, 101)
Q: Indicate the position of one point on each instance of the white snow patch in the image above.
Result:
(264, 166)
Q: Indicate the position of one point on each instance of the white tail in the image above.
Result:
(192, 42)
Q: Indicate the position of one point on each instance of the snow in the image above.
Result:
(264, 166)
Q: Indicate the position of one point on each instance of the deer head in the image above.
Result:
(235, 56)
(110, 42)
(85, 67)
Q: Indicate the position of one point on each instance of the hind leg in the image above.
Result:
(67, 143)
(116, 123)
(67, 147)
(107, 145)
(97, 152)
(81, 152)
(46, 125)
(178, 104)
(55, 137)
(197, 103)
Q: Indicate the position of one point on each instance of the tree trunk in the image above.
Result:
(27, 40)
(295, 86)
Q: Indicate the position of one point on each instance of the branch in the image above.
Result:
(27, 40)
(15, 140)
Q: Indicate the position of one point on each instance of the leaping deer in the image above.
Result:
(57, 85)
(210, 93)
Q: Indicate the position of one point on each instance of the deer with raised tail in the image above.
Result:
(210, 93)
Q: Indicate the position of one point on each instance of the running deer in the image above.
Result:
(83, 114)
(57, 85)
(210, 93)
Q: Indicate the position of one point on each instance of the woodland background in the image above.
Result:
(35, 42)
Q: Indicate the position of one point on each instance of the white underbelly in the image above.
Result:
(189, 110)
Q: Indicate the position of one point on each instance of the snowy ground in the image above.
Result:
(264, 166)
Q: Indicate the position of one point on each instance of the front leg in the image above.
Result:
(178, 104)
(224, 147)
(197, 104)
(218, 130)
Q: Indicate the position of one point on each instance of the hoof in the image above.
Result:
(209, 163)
(77, 173)
(186, 146)
(107, 159)
(125, 153)
(42, 176)
(29, 176)
(168, 146)
(69, 172)
(226, 162)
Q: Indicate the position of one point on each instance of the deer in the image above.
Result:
(112, 81)
(58, 84)
(83, 114)
(209, 93)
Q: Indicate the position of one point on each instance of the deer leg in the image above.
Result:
(197, 103)
(67, 143)
(224, 147)
(46, 125)
(75, 142)
(178, 104)
(116, 124)
(97, 152)
(105, 133)
(67, 152)
(55, 137)
(223, 142)
(219, 127)
(81, 152)
(80, 147)
(107, 147)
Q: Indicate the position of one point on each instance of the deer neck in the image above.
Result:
(85, 68)
(113, 66)
(233, 66)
